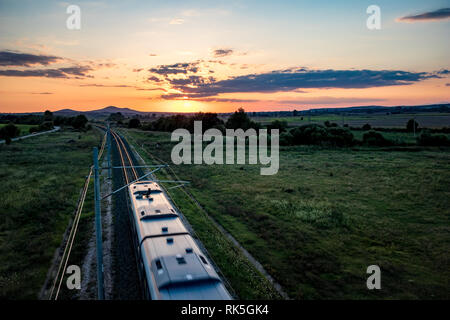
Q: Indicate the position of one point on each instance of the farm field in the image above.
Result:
(328, 214)
(426, 119)
(24, 128)
(41, 180)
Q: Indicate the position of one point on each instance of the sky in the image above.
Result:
(217, 56)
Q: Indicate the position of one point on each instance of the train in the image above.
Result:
(170, 263)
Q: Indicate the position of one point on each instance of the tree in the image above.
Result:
(134, 123)
(48, 115)
(294, 113)
(116, 117)
(412, 125)
(79, 122)
(366, 127)
(209, 120)
(240, 119)
(9, 131)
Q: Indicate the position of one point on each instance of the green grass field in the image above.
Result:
(425, 119)
(326, 216)
(41, 180)
(24, 128)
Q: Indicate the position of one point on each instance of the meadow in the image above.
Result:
(41, 180)
(425, 119)
(325, 217)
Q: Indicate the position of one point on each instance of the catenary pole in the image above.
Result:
(98, 228)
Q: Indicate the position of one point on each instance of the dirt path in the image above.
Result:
(32, 135)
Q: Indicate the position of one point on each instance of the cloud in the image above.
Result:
(10, 58)
(218, 53)
(177, 68)
(151, 89)
(76, 72)
(153, 55)
(176, 21)
(302, 78)
(106, 85)
(191, 80)
(227, 100)
(154, 79)
(330, 100)
(41, 92)
(440, 14)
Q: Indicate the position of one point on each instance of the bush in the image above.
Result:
(341, 137)
(286, 139)
(309, 134)
(319, 135)
(277, 124)
(134, 123)
(46, 126)
(373, 138)
(427, 139)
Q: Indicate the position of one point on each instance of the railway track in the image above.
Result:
(129, 171)
(128, 278)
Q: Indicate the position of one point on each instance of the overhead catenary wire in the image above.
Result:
(72, 234)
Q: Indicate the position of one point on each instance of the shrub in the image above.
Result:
(427, 139)
(134, 123)
(341, 137)
(286, 139)
(277, 124)
(309, 134)
(319, 135)
(373, 138)
(45, 126)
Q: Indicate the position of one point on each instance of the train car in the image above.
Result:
(172, 265)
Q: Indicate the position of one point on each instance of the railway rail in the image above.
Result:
(160, 276)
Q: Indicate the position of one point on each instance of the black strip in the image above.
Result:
(163, 235)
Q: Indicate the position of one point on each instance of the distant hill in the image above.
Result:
(100, 112)
(127, 112)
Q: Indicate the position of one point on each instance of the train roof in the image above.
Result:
(181, 271)
(149, 201)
